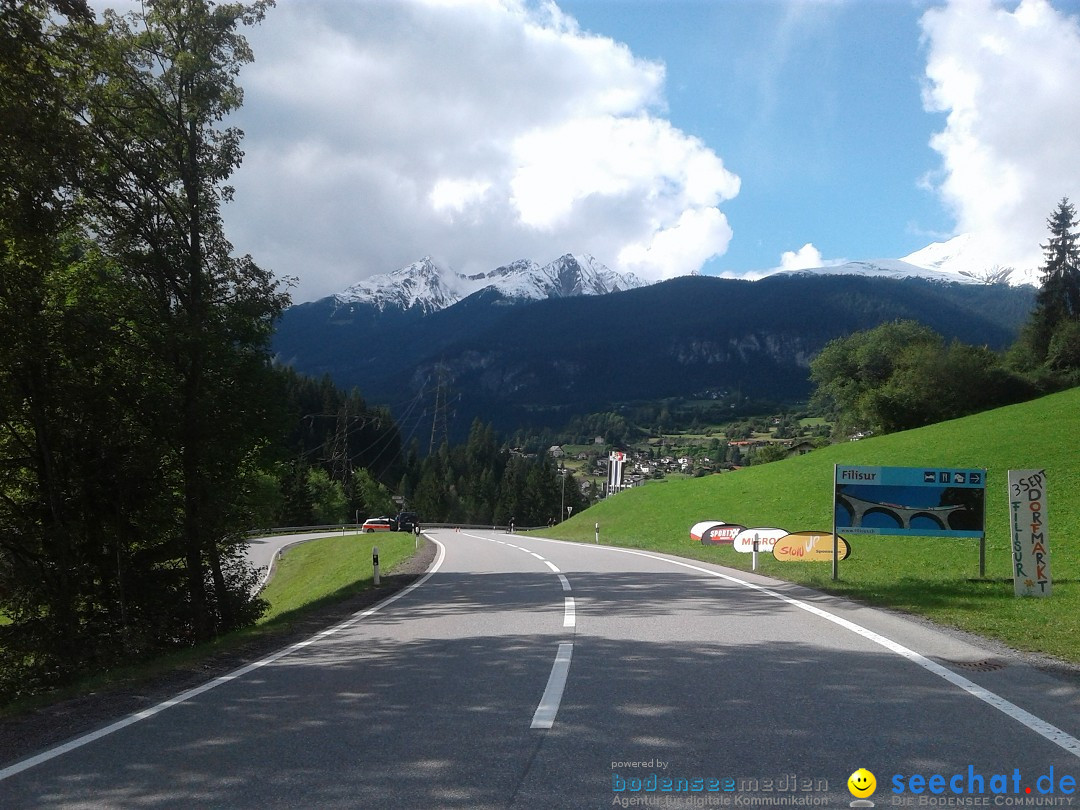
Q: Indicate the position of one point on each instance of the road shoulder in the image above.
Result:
(31, 731)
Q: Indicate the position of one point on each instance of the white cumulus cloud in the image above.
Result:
(479, 130)
(804, 258)
(1006, 77)
(682, 247)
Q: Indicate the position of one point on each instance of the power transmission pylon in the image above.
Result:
(438, 420)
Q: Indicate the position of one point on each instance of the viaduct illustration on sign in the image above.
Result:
(903, 515)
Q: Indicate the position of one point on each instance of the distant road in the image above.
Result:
(527, 673)
(262, 550)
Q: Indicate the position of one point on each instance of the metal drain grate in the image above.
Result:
(987, 665)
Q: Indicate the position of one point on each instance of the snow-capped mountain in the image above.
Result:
(959, 259)
(429, 286)
(882, 268)
(423, 284)
(962, 256)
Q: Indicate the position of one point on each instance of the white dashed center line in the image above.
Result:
(544, 717)
(569, 619)
(549, 703)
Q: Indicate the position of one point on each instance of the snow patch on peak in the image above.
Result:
(881, 268)
(964, 256)
(940, 255)
(961, 259)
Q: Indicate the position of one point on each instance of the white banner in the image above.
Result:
(765, 538)
(1030, 532)
(615, 470)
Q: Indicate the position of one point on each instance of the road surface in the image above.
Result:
(528, 673)
(262, 551)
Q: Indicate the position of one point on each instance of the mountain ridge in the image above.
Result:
(428, 286)
(955, 260)
(541, 362)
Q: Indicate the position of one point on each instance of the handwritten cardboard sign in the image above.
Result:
(1030, 532)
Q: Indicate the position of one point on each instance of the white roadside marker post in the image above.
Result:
(375, 562)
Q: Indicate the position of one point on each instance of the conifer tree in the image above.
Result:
(1058, 300)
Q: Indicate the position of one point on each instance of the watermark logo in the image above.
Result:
(862, 783)
(1004, 788)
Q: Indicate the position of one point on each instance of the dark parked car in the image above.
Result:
(407, 521)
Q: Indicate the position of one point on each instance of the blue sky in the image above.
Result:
(663, 137)
(816, 106)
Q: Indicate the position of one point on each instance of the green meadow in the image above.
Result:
(329, 569)
(312, 574)
(933, 577)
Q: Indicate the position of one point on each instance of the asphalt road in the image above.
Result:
(538, 674)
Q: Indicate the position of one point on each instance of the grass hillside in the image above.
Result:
(934, 577)
(329, 569)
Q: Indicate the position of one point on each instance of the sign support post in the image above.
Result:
(982, 539)
(835, 542)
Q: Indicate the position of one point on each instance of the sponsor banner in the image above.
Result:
(765, 538)
(1030, 532)
(809, 547)
(721, 535)
(916, 501)
(616, 460)
(700, 528)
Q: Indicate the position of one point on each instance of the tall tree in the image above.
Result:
(41, 160)
(168, 82)
(1058, 300)
(850, 370)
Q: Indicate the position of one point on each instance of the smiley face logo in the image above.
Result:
(861, 783)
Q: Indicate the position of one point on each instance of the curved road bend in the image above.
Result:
(540, 674)
(262, 551)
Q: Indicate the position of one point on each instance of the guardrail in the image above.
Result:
(336, 527)
(345, 527)
(355, 527)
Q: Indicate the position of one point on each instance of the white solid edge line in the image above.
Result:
(569, 615)
(1047, 730)
(78, 742)
(544, 717)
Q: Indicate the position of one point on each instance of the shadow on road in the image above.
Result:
(374, 718)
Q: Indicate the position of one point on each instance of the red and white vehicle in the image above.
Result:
(379, 524)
